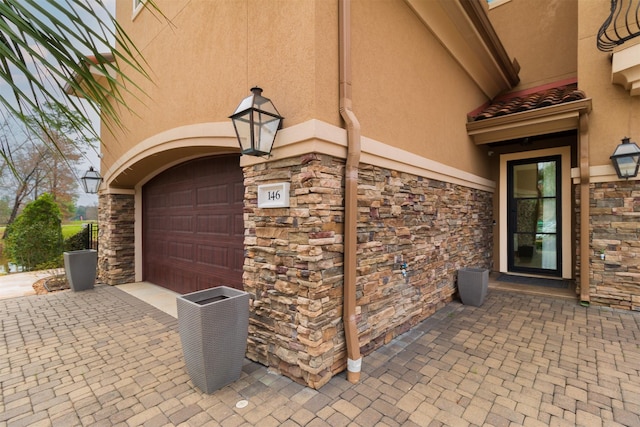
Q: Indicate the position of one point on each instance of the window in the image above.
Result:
(496, 3)
(138, 5)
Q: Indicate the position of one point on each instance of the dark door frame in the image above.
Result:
(512, 219)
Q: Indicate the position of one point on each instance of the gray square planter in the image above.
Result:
(80, 268)
(213, 326)
(472, 285)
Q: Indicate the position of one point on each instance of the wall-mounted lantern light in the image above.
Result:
(91, 181)
(256, 122)
(626, 158)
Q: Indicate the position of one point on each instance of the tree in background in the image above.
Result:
(24, 165)
(58, 174)
(37, 168)
(34, 239)
(5, 210)
(62, 56)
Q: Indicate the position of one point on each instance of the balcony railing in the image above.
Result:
(623, 24)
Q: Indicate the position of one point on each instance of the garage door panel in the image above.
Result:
(238, 260)
(238, 193)
(182, 278)
(214, 256)
(181, 199)
(213, 195)
(193, 226)
(180, 251)
(180, 224)
(206, 282)
(156, 223)
(157, 201)
(215, 225)
(238, 225)
(156, 247)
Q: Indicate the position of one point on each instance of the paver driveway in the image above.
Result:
(102, 357)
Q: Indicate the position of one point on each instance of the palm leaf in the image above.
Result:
(47, 43)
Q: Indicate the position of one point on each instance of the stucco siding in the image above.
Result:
(615, 113)
(408, 91)
(542, 36)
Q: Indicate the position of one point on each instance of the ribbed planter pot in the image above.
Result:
(472, 285)
(80, 268)
(213, 326)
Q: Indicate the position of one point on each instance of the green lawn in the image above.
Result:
(68, 229)
(73, 227)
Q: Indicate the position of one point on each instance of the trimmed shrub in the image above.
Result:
(34, 239)
(78, 241)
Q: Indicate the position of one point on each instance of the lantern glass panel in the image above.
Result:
(242, 125)
(265, 129)
(91, 181)
(627, 165)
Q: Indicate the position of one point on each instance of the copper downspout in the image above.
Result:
(354, 359)
(585, 255)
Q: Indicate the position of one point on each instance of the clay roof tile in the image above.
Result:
(544, 98)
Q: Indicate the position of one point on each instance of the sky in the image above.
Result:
(91, 155)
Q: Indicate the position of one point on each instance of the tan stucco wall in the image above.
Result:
(615, 113)
(407, 90)
(560, 43)
(207, 57)
(541, 35)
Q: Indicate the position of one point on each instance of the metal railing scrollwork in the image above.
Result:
(623, 24)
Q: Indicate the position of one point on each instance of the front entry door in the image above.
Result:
(534, 204)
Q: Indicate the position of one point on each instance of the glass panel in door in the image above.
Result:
(534, 216)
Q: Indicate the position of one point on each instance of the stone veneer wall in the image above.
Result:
(615, 231)
(116, 239)
(294, 259)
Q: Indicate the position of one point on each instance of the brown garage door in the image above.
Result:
(192, 226)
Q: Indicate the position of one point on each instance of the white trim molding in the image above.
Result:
(218, 134)
(601, 173)
(315, 136)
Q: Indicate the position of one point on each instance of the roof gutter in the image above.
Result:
(354, 359)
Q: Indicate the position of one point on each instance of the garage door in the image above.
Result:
(193, 227)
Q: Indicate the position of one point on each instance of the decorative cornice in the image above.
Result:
(625, 69)
(313, 136)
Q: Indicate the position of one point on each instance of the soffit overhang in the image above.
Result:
(555, 118)
(98, 68)
(463, 28)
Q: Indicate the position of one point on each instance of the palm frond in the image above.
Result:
(49, 54)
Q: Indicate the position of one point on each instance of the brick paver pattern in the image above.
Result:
(102, 357)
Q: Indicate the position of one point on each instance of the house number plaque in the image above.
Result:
(273, 195)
